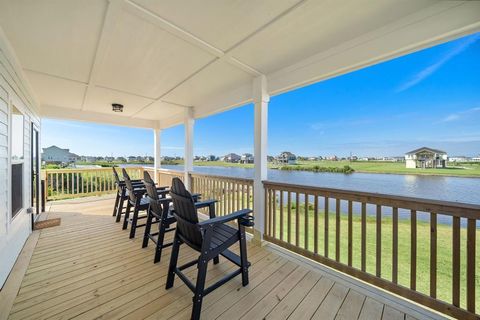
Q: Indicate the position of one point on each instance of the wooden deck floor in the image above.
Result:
(87, 268)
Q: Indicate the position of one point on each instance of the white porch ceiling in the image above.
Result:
(159, 56)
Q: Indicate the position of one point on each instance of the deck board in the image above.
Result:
(88, 268)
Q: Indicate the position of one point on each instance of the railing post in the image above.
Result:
(189, 122)
(156, 153)
(260, 99)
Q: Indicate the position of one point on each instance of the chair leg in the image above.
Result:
(198, 297)
(133, 227)
(243, 256)
(115, 207)
(119, 210)
(127, 215)
(148, 227)
(173, 263)
(159, 246)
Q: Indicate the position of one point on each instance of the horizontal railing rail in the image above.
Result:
(423, 250)
(83, 182)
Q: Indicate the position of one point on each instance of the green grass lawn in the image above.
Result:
(470, 169)
(461, 170)
(444, 249)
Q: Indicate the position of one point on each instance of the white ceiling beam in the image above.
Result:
(60, 113)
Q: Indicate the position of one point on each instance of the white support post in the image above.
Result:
(189, 122)
(157, 133)
(260, 99)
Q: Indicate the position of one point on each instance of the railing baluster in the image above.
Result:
(364, 237)
(306, 223)
(395, 245)
(413, 250)
(350, 232)
(378, 258)
(471, 243)
(274, 209)
(297, 220)
(315, 224)
(281, 214)
(326, 228)
(433, 255)
(337, 230)
(237, 187)
(456, 261)
(289, 217)
(57, 191)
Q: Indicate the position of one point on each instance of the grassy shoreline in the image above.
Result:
(470, 170)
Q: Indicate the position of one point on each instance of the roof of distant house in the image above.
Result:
(426, 149)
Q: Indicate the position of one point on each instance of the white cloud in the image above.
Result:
(460, 115)
(428, 71)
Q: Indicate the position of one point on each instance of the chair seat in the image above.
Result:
(143, 205)
(222, 234)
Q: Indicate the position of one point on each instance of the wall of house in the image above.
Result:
(13, 91)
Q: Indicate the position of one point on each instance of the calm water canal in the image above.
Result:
(457, 189)
(429, 187)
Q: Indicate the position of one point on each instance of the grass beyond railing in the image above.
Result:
(73, 183)
(232, 193)
(424, 250)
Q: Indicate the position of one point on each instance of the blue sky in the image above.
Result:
(428, 98)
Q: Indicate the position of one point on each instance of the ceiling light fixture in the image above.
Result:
(117, 107)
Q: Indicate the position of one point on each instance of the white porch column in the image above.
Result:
(189, 121)
(156, 152)
(260, 99)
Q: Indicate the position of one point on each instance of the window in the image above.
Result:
(17, 154)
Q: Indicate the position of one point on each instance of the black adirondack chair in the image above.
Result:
(122, 194)
(138, 202)
(211, 238)
(159, 212)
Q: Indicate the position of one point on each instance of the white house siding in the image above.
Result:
(13, 232)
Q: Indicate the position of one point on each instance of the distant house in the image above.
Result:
(459, 159)
(132, 159)
(231, 157)
(109, 159)
(246, 158)
(270, 158)
(55, 154)
(88, 158)
(426, 158)
(211, 157)
(286, 157)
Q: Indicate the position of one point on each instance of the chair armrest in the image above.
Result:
(196, 196)
(163, 188)
(203, 204)
(224, 219)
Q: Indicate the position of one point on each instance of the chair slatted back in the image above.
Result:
(117, 179)
(152, 193)
(185, 213)
(128, 184)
